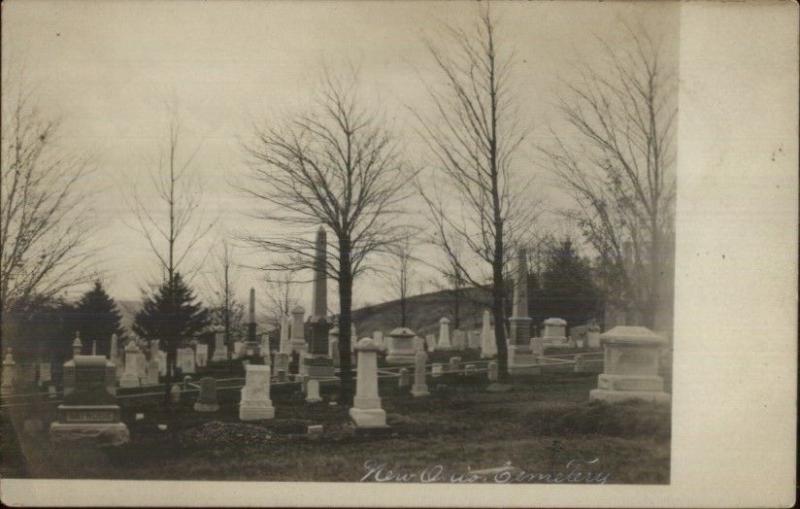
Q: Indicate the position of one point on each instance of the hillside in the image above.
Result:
(423, 312)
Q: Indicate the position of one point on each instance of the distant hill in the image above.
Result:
(424, 312)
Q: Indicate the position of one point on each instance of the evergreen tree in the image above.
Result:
(565, 288)
(96, 317)
(172, 316)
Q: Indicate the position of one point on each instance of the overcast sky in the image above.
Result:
(107, 68)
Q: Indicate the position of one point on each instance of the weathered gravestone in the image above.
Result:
(207, 399)
(255, 403)
(312, 391)
(420, 387)
(202, 355)
(185, 360)
(89, 411)
(444, 335)
(9, 372)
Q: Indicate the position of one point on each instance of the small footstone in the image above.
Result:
(315, 431)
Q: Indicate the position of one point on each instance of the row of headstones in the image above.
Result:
(256, 404)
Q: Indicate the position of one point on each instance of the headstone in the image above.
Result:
(520, 322)
(207, 400)
(113, 349)
(283, 375)
(454, 364)
(312, 391)
(152, 372)
(175, 393)
(130, 378)
(430, 341)
(400, 348)
(141, 364)
(488, 343)
(459, 339)
(444, 335)
(202, 355)
(437, 370)
(185, 360)
(238, 349)
(251, 320)
(298, 339)
(333, 345)
(161, 357)
(593, 337)
(45, 372)
(220, 350)
(474, 339)
(284, 345)
(555, 328)
(89, 413)
(419, 344)
(77, 345)
(494, 373)
(366, 411)
(281, 362)
(420, 387)
(405, 379)
(256, 403)
(470, 369)
(631, 365)
(9, 373)
(318, 362)
(377, 335)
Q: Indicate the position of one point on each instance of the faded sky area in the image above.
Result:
(108, 67)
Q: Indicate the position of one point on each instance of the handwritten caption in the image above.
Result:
(575, 471)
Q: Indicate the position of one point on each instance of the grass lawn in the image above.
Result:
(544, 426)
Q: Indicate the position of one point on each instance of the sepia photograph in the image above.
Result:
(415, 243)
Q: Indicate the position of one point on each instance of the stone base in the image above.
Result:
(219, 358)
(400, 358)
(314, 399)
(633, 383)
(618, 396)
(372, 418)
(485, 355)
(256, 411)
(419, 391)
(129, 381)
(115, 433)
(206, 407)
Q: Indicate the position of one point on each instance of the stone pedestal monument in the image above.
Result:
(488, 344)
(520, 322)
(298, 339)
(130, 378)
(255, 403)
(631, 362)
(90, 412)
(400, 349)
(366, 411)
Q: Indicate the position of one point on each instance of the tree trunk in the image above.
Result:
(655, 272)
(345, 320)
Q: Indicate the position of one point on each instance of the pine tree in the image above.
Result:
(566, 287)
(172, 316)
(97, 318)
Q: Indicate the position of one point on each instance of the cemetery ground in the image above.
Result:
(542, 424)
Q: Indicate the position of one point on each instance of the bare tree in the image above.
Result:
(170, 223)
(226, 309)
(336, 165)
(474, 134)
(400, 274)
(44, 207)
(618, 163)
(280, 293)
